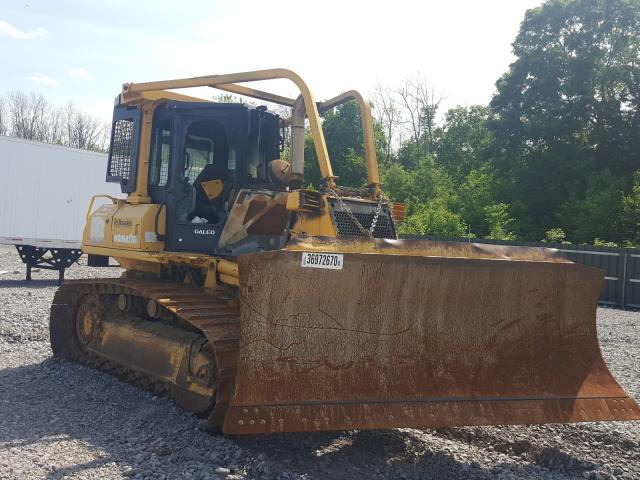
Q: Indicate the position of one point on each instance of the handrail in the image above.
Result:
(114, 200)
(367, 130)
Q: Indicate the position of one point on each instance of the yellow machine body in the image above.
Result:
(327, 321)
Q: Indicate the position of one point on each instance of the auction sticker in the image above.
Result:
(334, 261)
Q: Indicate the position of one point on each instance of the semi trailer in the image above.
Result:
(44, 193)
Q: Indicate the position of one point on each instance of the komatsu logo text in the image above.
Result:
(129, 239)
(122, 222)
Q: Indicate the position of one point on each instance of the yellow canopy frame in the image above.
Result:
(136, 92)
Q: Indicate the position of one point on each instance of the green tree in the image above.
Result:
(397, 182)
(343, 134)
(433, 218)
(498, 218)
(631, 212)
(603, 243)
(568, 106)
(476, 192)
(427, 180)
(463, 143)
(555, 235)
(597, 212)
(411, 152)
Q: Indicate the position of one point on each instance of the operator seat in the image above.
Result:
(211, 209)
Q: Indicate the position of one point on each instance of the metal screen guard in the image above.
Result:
(394, 340)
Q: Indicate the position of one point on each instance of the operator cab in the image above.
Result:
(201, 155)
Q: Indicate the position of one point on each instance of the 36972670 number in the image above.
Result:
(334, 261)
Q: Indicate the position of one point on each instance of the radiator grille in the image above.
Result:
(346, 227)
(121, 149)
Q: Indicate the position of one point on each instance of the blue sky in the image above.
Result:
(84, 50)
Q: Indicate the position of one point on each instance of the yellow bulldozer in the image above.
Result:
(265, 306)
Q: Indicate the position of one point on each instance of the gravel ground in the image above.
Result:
(59, 420)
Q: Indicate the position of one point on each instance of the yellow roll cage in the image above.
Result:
(139, 92)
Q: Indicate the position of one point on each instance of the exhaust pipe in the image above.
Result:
(298, 114)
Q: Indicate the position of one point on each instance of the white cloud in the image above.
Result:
(10, 31)
(81, 73)
(102, 109)
(44, 80)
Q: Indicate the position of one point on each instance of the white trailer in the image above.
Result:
(45, 191)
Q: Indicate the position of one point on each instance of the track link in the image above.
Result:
(217, 318)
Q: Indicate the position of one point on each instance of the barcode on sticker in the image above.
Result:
(334, 261)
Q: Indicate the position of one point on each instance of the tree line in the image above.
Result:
(32, 117)
(554, 156)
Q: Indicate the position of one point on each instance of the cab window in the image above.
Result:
(198, 154)
(160, 155)
(206, 144)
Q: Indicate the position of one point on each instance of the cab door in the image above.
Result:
(203, 167)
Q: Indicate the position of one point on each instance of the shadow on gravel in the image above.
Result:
(355, 455)
(44, 405)
(415, 454)
(28, 283)
(549, 447)
(371, 454)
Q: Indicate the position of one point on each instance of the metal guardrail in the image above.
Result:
(621, 265)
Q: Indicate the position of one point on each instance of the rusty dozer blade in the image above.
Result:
(418, 334)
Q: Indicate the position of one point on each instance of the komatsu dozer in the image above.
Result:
(267, 307)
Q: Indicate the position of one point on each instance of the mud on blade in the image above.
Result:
(418, 334)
